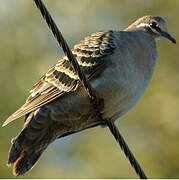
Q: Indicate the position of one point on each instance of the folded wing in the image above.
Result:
(62, 78)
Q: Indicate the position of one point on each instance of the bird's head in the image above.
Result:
(154, 25)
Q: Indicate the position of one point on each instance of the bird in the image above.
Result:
(118, 64)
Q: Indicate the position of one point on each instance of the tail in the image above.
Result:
(29, 145)
(25, 162)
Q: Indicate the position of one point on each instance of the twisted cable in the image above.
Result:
(114, 130)
(67, 51)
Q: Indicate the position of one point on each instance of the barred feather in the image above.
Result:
(61, 78)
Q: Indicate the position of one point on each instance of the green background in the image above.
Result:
(151, 128)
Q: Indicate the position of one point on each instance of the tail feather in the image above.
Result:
(22, 159)
(15, 150)
(26, 162)
(17, 142)
(14, 154)
(28, 146)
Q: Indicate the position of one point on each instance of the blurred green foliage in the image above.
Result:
(151, 129)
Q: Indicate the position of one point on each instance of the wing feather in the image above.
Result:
(61, 78)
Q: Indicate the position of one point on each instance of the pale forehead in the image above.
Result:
(161, 22)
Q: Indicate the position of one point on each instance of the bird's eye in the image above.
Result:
(155, 26)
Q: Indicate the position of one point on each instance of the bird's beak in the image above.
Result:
(168, 36)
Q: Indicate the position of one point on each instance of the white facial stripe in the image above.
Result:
(147, 25)
(142, 25)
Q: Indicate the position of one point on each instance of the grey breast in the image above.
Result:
(130, 69)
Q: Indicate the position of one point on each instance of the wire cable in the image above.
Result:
(67, 51)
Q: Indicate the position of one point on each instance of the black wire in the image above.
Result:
(67, 51)
(114, 130)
